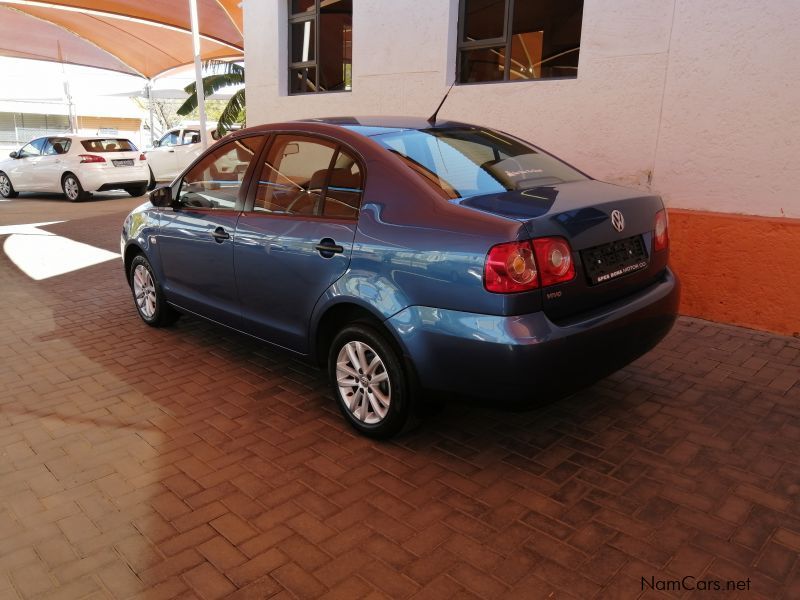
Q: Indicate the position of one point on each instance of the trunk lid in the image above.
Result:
(609, 264)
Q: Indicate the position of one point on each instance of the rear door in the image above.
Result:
(196, 239)
(296, 236)
(51, 165)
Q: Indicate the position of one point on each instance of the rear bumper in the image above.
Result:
(522, 359)
(121, 185)
(113, 178)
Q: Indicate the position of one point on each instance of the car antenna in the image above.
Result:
(432, 120)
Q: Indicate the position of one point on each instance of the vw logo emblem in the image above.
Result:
(617, 220)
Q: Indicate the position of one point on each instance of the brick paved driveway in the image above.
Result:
(193, 462)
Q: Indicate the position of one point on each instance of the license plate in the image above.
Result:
(615, 259)
(125, 162)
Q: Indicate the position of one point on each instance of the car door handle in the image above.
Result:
(220, 235)
(327, 248)
(171, 151)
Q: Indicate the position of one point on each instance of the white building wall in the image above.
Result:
(696, 100)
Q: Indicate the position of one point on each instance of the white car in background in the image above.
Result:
(75, 165)
(175, 151)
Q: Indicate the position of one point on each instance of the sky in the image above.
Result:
(44, 81)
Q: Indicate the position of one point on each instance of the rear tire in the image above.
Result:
(6, 189)
(137, 190)
(148, 297)
(373, 390)
(73, 189)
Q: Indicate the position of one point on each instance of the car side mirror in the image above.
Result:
(156, 144)
(161, 197)
(14, 154)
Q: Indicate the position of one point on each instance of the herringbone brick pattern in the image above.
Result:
(195, 463)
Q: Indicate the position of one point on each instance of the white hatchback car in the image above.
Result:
(76, 165)
(175, 151)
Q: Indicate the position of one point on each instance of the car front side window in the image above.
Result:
(32, 149)
(170, 139)
(215, 181)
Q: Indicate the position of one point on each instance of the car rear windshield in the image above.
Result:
(467, 161)
(109, 145)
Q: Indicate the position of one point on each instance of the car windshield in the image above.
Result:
(108, 145)
(466, 161)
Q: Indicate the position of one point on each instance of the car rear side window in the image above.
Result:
(108, 145)
(215, 181)
(309, 176)
(57, 146)
(467, 161)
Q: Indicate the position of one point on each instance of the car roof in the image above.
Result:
(80, 136)
(378, 125)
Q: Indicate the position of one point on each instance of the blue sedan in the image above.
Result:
(404, 256)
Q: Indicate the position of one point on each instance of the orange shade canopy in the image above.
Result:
(130, 36)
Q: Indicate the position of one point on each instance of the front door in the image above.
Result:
(162, 160)
(24, 173)
(296, 237)
(196, 239)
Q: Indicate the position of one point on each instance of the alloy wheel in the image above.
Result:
(5, 186)
(71, 188)
(363, 382)
(144, 290)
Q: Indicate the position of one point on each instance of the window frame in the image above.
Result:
(293, 19)
(249, 206)
(507, 41)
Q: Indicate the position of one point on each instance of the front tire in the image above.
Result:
(137, 190)
(148, 296)
(6, 189)
(369, 382)
(73, 189)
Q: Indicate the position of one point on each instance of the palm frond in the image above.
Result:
(211, 84)
(232, 112)
(223, 74)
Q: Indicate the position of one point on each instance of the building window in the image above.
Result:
(320, 46)
(515, 40)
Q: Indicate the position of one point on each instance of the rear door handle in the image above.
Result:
(327, 248)
(220, 235)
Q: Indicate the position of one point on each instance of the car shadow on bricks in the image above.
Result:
(149, 463)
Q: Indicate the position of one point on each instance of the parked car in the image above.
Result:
(75, 165)
(402, 256)
(175, 151)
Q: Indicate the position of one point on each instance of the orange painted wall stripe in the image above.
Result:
(738, 269)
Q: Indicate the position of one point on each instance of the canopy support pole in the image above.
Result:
(198, 74)
(150, 105)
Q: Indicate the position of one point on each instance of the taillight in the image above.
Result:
(554, 257)
(510, 268)
(661, 231)
(91, 158)
(142, 156)
(523, 266)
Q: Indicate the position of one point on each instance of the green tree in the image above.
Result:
(223, 74)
